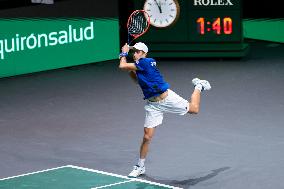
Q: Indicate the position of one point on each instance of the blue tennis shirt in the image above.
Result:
(149, 78)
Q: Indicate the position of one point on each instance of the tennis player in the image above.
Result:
(159, 97)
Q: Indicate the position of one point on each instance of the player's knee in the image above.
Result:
(147, 138)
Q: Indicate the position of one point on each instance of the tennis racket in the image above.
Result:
(138, 23)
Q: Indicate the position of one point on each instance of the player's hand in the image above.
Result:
(125, 48)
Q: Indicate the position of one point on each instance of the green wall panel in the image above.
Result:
(32, 45)
(264, 29)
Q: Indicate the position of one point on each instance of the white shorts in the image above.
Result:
(173, 103)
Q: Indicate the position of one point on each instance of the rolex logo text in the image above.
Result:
(213, 3)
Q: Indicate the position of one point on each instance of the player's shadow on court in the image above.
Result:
(188, 182)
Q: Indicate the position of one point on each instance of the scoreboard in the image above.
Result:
(215, 22)
(194, 28)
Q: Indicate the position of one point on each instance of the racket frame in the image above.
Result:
(135, 36)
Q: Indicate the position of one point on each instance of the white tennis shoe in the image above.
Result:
(137, 171)
(204, 83)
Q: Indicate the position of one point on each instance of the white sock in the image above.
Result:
(141, 162)
(198, 87)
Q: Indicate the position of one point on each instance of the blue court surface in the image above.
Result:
(74, 177)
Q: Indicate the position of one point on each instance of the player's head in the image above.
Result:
(140, 50)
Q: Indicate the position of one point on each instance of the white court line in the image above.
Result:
(105, 186)
(95, 171)
(124, 177)
(36, 172)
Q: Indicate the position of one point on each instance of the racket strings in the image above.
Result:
(138, 24)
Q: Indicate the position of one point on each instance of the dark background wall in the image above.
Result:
(263, 9)
(61, 8)
(251, 8)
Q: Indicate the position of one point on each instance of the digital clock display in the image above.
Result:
(219, 26)
(215, 26)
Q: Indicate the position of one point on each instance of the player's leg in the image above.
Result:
(139, 169)
(144, 148)
(194, 102)
(153, 118)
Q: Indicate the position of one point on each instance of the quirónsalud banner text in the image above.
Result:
(32, 45)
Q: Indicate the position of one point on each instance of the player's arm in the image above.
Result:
(123, 61)
(126, 66)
